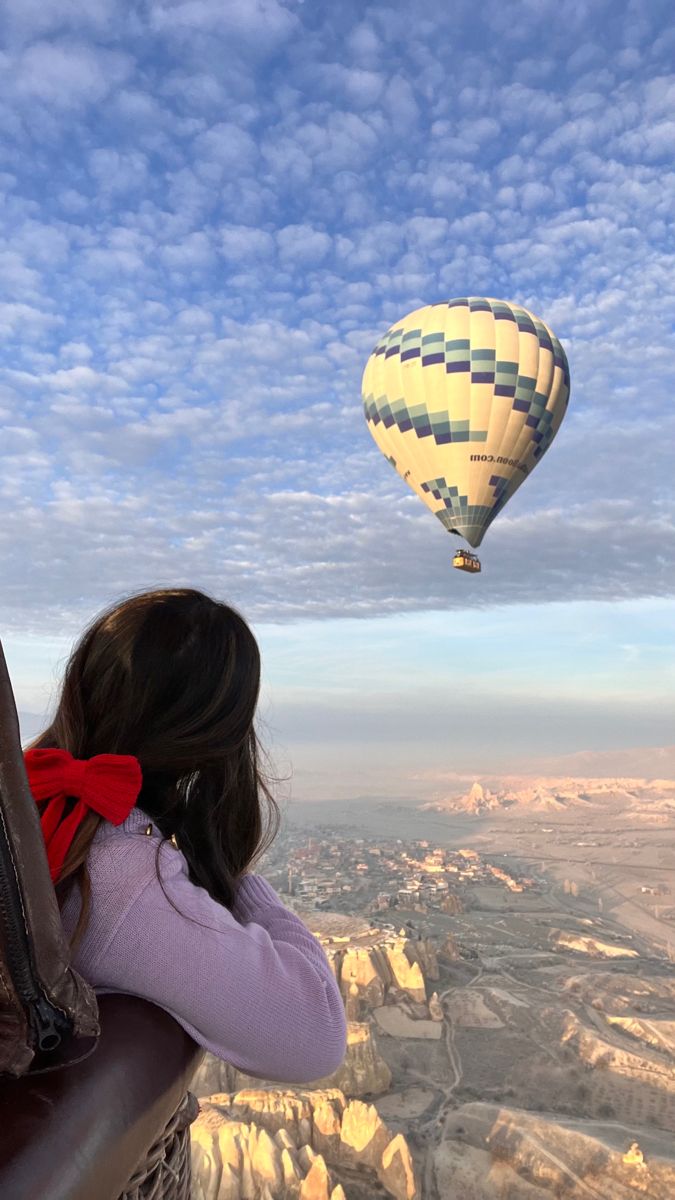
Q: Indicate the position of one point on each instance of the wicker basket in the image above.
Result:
(165, 1173)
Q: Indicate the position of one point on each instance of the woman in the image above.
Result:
(149, 845)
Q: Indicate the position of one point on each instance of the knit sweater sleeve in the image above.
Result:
(251, 985)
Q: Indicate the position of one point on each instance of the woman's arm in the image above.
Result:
(253, 986)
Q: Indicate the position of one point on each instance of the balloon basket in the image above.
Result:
(465, 561)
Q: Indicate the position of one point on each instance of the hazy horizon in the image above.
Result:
(391, 705)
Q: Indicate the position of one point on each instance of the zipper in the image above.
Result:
(45, 1018)
(49, 1023)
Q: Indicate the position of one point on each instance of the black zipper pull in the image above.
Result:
(48, 1034)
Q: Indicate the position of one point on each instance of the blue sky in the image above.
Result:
(210, 212)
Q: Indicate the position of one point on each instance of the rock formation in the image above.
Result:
(448, 951)
(375, 970)
(284, 1145)
(435, 1008)
(585, 944)
(542, 1157)
(363, 1071)
(641, 797)
(216, 1075)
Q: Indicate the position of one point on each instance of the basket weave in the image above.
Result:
(165, 1173)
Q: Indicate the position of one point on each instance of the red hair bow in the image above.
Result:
(107, 783)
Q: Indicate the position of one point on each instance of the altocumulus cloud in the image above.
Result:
(209, 214)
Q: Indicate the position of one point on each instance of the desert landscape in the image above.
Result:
(505, 956)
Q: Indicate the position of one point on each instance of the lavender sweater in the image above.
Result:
(253, 985)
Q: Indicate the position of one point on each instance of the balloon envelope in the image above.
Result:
(463, 398)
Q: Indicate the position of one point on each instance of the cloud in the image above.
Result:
(302, 245)
(68, 75)
(364, 43)
(28, 19)
(358, 86)
(210, 212)
(117, 173)
(258, 26)
(400, 103)
(241, 243)
(81, 379)
(26, 321)
(221, 149)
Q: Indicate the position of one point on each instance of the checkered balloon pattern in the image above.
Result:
(464, 398)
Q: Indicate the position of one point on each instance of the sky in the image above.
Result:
(209, 214)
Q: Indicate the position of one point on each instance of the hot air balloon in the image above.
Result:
(463, 398)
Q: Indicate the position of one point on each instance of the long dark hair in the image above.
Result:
(171, 676)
